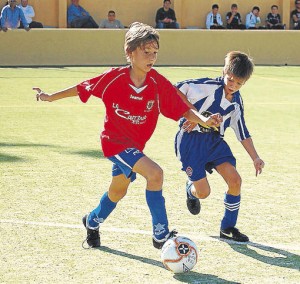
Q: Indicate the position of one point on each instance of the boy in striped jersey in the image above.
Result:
(202, 149)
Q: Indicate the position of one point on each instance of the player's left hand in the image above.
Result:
(258, 165)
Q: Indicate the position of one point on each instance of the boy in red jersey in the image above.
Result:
(133, 96)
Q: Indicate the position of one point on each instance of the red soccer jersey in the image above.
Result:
(131, 113)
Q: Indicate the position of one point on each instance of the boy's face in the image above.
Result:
(215, 11)
(232, 83)
(234, 10)
(144, 57)
(255, 12)
(274, 10)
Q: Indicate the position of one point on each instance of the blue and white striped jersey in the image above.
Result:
(208, 96)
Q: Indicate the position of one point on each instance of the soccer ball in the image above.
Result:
(179, 254)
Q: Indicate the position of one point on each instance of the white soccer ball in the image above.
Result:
(179, 254)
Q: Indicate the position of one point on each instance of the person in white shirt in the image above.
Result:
(214, 19)
(29, 14)
(253, 20)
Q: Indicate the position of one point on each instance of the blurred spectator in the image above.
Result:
(80, 18)
(111, 22)
(295, 16)
(165, 17)
(11, 15)
(29, 14)
(213, 19)
(253, 20)
(273, 19)
(234, 20)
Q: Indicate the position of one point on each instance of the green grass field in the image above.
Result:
(52, 172)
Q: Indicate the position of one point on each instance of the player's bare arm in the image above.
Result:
(69, 92)
(195, 117)
(257, 161)
(190, 125)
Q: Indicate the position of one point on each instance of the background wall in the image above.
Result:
(190, 13)
(61, 47)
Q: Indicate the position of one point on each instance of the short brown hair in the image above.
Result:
(238, 64)
(138, 35)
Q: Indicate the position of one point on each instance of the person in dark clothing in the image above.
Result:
(234, 20)
(273, 20)
(165, 17)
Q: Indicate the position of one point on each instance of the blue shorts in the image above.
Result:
(125, 161)
(201, 152)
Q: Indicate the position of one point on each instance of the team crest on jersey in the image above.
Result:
(150, 105)
(189, 171)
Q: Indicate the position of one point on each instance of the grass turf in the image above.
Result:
(53, 172)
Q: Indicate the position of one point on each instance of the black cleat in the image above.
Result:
(93, 237)
(193, 204)
(159, 243)
(233, 234)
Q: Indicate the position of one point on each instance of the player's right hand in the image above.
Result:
(41, 95)
(214, 120)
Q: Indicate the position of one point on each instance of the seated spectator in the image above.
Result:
(295, 16)
(253, 20)
(165, 17)
(213, 19)
(111, 22)
(11, 15)
(273, 19)
(29, 14)
(234, 20)
(79, 18)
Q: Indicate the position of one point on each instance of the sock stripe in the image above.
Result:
(232, 204)
(233, 209)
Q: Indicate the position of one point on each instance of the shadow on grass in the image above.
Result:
(197, 278)
(190, 277)
(95, 154)
(4, 158)
(25, 145)
(7, 158)
(286, 259)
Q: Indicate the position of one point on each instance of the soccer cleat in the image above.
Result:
(193, 204)
(93, 237)
(233, 234)
(159, 243)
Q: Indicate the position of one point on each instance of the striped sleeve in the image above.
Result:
(238, 124)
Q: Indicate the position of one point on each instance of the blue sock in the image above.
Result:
(156, 204)
(232, 205)
(101, 212)
(189, 185)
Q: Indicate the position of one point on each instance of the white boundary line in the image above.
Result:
(200, 237)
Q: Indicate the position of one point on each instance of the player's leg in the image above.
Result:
(122, 176)
(108, 202)
(117, 190)
(191, 150)
(232, 202)
(153, 174)
(196, 190)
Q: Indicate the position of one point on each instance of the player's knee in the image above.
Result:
(202, 193)
(117, 195)
(235, 184)
(156, 176)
